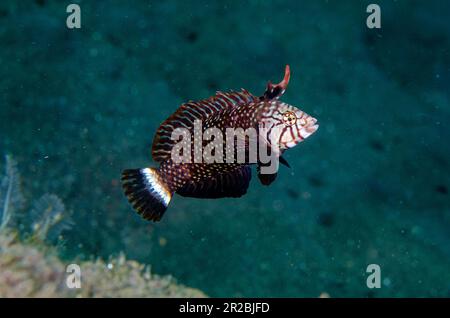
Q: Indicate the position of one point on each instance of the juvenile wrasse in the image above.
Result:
(278, 126)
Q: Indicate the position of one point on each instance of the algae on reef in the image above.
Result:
(31, 267)
(31, 270)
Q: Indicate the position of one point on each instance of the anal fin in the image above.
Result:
(232, 184)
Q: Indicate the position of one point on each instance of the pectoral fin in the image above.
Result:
(284, 162)
(265, 178)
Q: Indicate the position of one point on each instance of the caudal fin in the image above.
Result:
(147, 192)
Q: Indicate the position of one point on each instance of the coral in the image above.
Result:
(33, 269)
(26, 272)
(49, 217)
(11, 198)
(30, 270)
(125, 278)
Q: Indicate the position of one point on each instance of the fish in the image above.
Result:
(278, 126)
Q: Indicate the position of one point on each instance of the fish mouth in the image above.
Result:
(313, 126)
(308, 131)
(311, 129)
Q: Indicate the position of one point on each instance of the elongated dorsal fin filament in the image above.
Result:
(275, 91)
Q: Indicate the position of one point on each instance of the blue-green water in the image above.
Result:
(369, 187)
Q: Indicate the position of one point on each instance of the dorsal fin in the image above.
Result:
(187, 113)
(275, 91)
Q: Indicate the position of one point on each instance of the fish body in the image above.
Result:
(234, 130)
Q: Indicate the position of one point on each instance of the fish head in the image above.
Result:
(286, 125)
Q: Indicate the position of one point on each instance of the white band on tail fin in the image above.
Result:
(147, 192)
(155, 185)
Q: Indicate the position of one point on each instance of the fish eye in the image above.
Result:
(289, 118)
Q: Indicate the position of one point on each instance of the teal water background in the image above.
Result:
(370, 187)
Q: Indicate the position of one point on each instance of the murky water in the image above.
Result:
(369, 187)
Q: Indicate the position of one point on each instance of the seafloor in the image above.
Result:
(371, 186)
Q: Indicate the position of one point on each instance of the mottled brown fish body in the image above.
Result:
(278, 127)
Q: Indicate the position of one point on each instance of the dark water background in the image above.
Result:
(371, 186)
